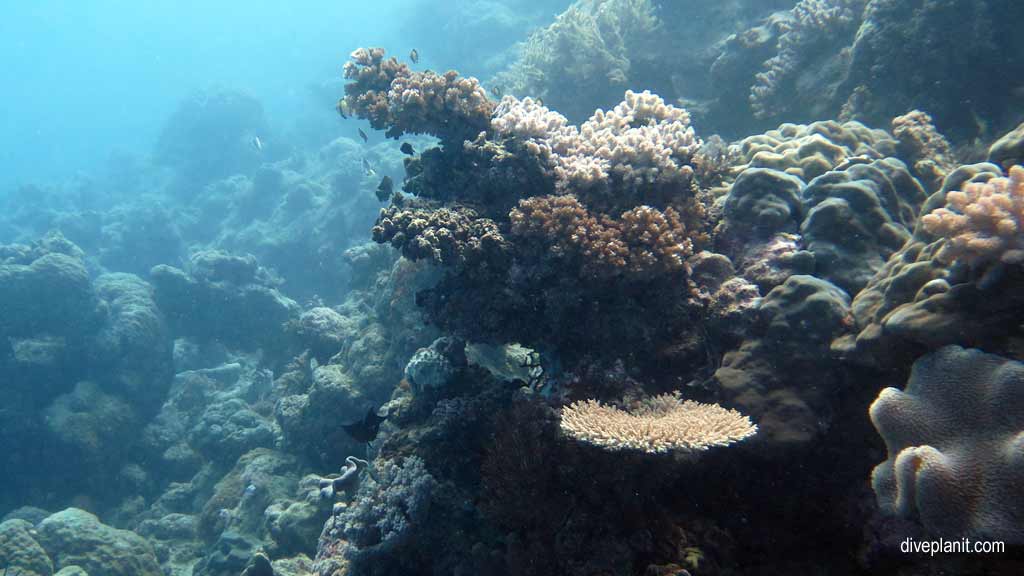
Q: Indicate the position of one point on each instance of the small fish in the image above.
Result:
(368, 169)
(414, 56)
(249, 491)
(363, 135)
(366, 429)
(342, 108)
(407, 149)
(257, 143)
(497, 92)
(385, 189)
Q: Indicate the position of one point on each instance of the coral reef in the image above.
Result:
(954, 440)
(654, 425)
(918, 301)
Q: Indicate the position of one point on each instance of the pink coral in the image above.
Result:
(982, 223)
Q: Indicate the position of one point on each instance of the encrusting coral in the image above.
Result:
(655, 425)
(983, 222)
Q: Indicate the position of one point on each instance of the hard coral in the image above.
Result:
(982, 223)
(394, 98)
(642, 241)
(448, 236)
(641, 150)
(660, 424)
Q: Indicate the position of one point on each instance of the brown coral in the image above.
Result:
(982, 223)
(447, 236)
(643, 241)
(394, 98)
(656, 425)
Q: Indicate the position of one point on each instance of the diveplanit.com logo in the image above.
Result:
(943, 546)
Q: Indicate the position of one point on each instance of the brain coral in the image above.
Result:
(955, 437)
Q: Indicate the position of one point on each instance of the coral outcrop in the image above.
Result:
(955, 437)
(396, 99)
(920, 300)
(75, 537)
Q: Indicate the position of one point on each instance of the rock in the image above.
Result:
(76, 537)
(20, 552)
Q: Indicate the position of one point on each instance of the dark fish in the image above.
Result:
(407, 149)
(342, 108)
(365, 430)
(363, 135)
(414, 56)
(497, 92)
(385, 189)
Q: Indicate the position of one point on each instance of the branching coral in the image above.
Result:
(449, 236)
(812, 22)
(983, 222)
(655, 425)
(640, 150)
(394, 98)
(640, 242)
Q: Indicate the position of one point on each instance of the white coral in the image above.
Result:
(660, 424)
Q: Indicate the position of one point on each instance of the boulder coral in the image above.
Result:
(955, 437)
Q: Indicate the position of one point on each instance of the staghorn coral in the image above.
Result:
(396, 99)
(656, 425)
(448, 236)
(642, 241)
(982, 223)
(955, 438)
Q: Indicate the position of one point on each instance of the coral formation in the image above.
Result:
(75, 537)
(982, 223)
(660, 424)
(394, 98)
(918, 301)
(954, 437)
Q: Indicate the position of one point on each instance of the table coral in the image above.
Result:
(660, 424)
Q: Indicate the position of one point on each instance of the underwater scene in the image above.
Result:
(512, 288)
